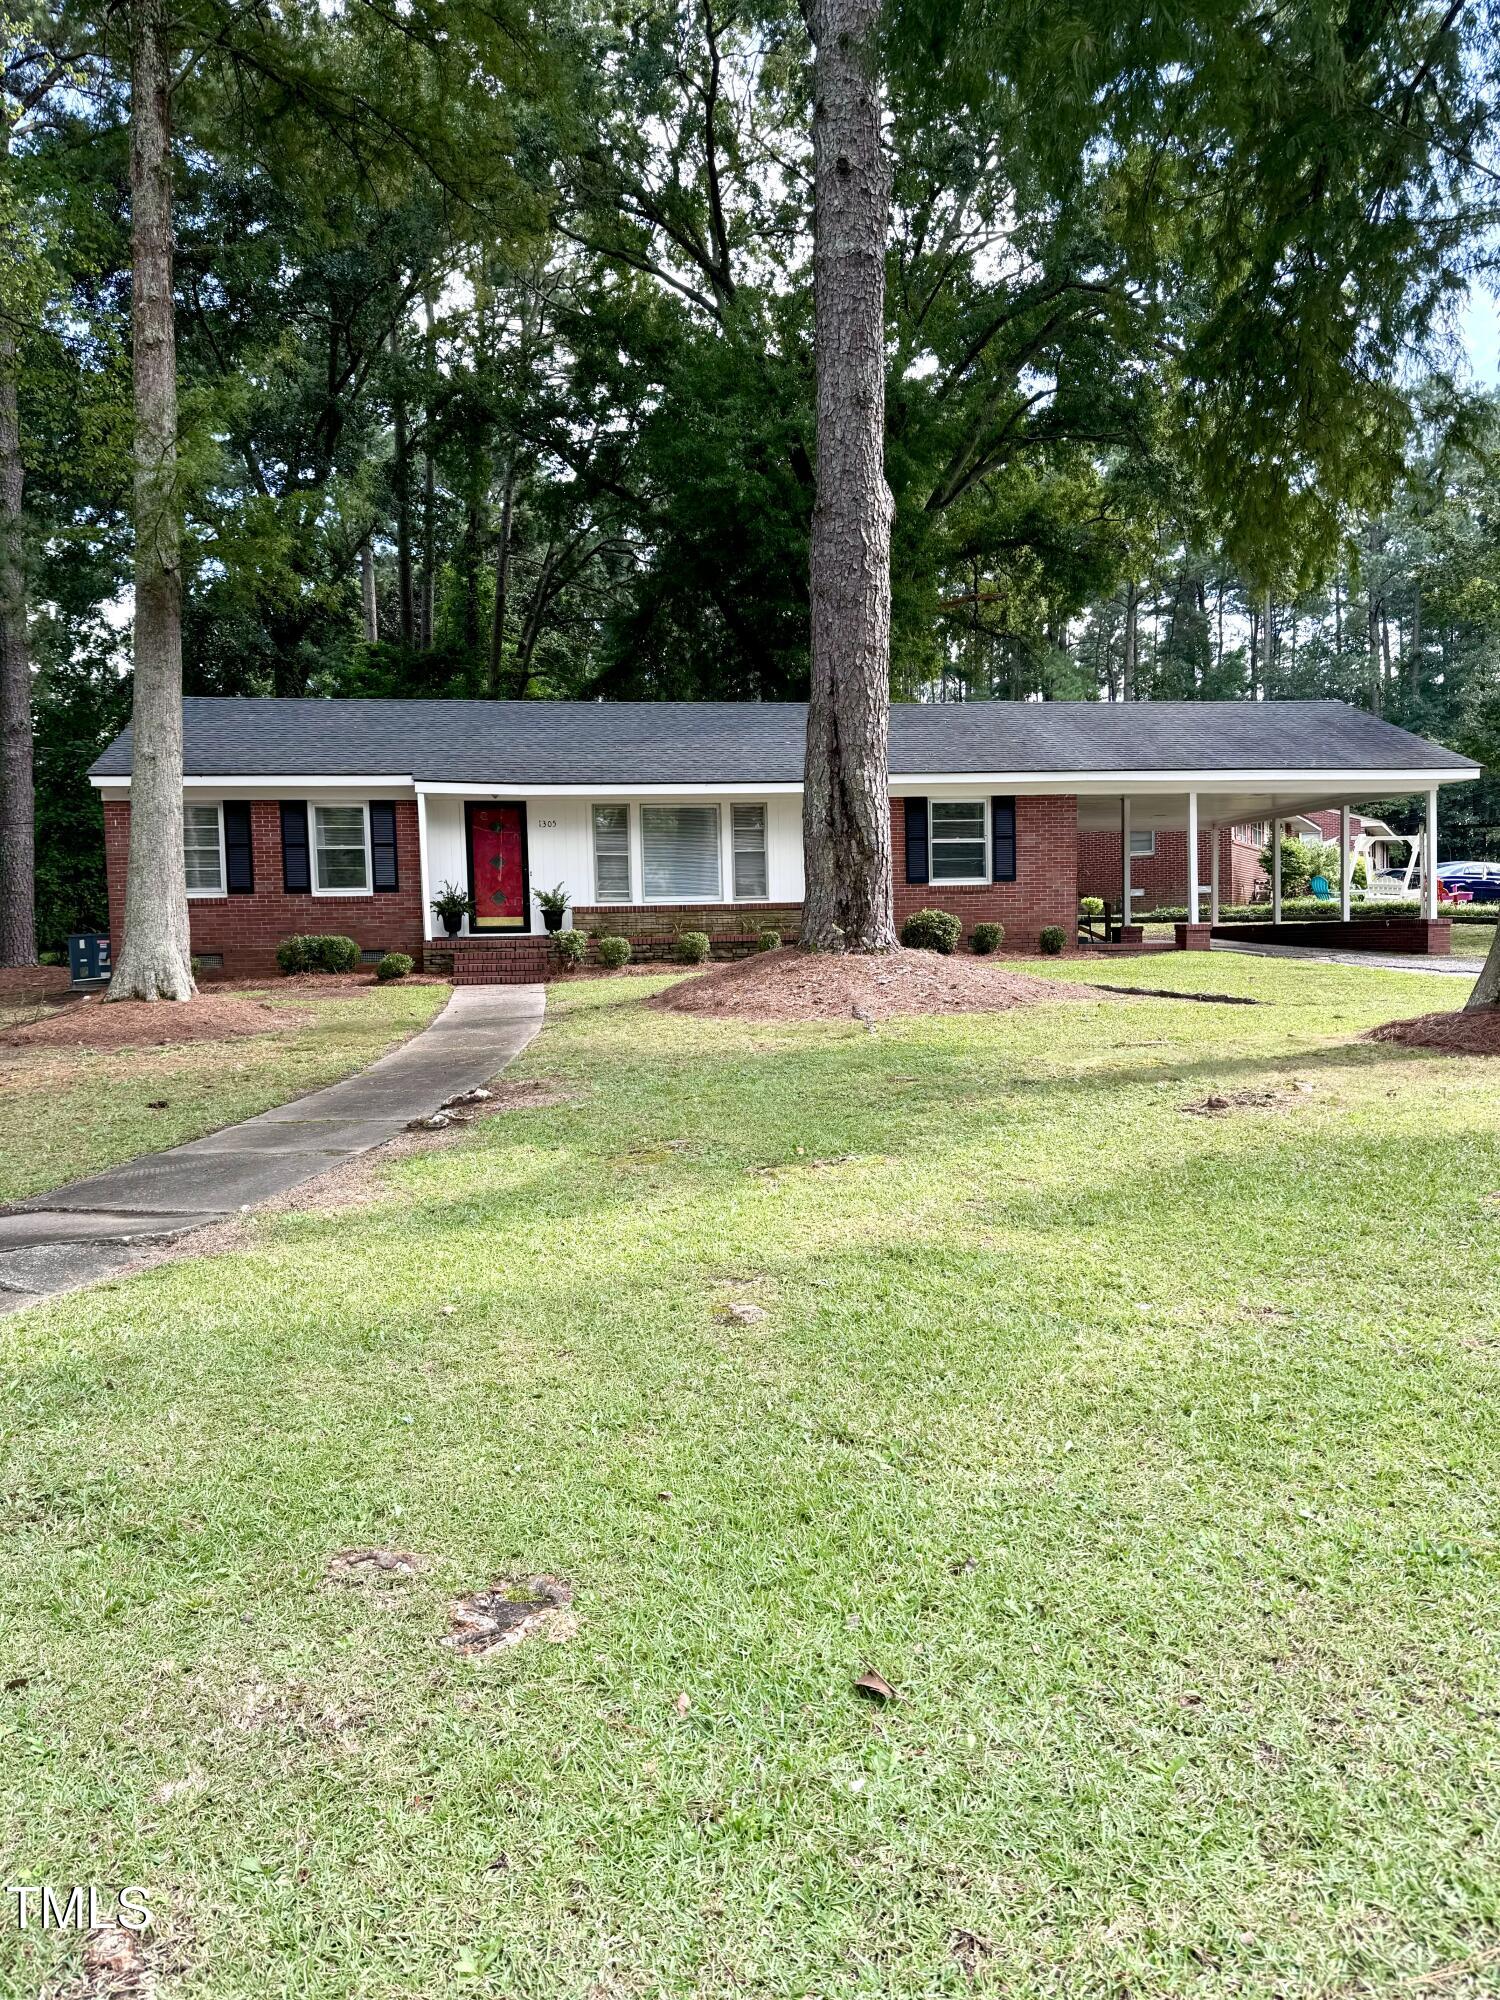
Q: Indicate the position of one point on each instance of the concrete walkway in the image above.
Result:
(1372, 961)
(79, 1234)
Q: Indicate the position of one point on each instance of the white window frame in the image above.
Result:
(714, 805)
(736, 805)
(218, 810)
(632, 864)
(934, 841)
(1147, 833)
(314, 807)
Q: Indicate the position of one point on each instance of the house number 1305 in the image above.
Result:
(545, 825)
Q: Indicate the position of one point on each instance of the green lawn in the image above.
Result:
(1150, 1456)
(69, 1112)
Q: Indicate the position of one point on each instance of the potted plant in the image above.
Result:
(552, 903)
(451, 905)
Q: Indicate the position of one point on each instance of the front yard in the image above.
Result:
(67, 1112)
(1147, 1452)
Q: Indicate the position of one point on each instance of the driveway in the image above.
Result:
(1372, 961)
(79, 1234)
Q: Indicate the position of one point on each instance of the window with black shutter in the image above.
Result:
(296, 858)
(239, 855)
(916, 840)
(383, 844)
(1003, 839)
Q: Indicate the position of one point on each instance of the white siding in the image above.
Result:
(559, 837)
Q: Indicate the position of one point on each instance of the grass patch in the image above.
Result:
(1149, 1457)
(65, 1113)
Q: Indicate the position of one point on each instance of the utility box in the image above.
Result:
(88, 959)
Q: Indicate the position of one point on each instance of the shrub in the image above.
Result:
(986, 938)
(1091, 906)
(614, 952)
(572, 947)
(692, 947)
(931, 930)
(1052, 939)
(768, 941)
(317, 954)
(395, 965)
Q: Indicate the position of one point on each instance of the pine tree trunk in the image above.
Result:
(1127, 664)
(17, 802)
(846, 810)
(154, 962)
(1487, 987)
(369, 603)
(406, 609)
(428, 595)
(502, 580)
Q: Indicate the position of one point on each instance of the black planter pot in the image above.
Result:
(552, 920)
(453, 925)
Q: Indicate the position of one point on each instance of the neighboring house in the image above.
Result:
(349, 816)
(1159, 867)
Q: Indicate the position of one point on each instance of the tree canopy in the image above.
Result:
(495, 357)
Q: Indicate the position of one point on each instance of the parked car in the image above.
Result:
(1471, 881)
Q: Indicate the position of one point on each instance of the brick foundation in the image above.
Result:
(654, 928)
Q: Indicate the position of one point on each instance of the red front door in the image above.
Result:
(497, 868)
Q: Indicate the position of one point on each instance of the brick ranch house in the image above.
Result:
(656, 817)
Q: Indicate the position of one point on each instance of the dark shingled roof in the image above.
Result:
(535, 744)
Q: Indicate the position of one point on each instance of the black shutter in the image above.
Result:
(916, 840)
(239, 858)
(383, 843)
(296, 861)
(1003, 839)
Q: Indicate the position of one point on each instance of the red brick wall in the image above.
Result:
(247, 929)
(1162, 877)
(1044, 892)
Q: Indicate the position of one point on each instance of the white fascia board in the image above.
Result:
(227, 784)
(605, 792)
(1112, 783)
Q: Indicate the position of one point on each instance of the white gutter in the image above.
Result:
(1107, 783)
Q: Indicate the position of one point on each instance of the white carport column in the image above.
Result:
(1195, 887)
(1275, 871)
(1124, 860)
(1213, 875)
(1430, 859)
(1346, 867)
(422, 870)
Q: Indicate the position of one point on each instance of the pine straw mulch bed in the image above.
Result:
(20, 983)
(791, 985)
(1475, 1034)
(92, 1022)
(52, 1016)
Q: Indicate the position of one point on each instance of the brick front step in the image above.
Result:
(520, 961)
